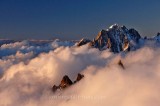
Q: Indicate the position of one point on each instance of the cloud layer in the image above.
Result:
(28, 73)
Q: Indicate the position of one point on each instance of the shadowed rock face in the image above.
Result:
(66, 82)
(134, 34)
(83, 42)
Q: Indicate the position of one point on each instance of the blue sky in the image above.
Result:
(74, 19)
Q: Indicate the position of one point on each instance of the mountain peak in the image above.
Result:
(114, 26)
(158, 34)
(116, 38)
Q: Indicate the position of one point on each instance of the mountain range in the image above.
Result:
(117, 38)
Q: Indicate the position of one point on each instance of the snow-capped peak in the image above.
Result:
(114, 26)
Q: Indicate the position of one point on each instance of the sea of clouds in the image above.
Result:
(28, 70)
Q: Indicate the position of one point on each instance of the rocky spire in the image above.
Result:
(66, 82)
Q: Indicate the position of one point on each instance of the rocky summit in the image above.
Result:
(66, 82)
(116, 38)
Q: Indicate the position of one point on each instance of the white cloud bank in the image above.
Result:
(27, 78)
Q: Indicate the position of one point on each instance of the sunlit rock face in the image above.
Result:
(66, 82)
(117, 38)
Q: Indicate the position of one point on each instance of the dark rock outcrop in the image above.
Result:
(54, 88)
(79, 77)
(158, 34)
(145, 38)
(121, 64)
(134, 34)
(157, 37)
(83, 42)
(66, 82)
